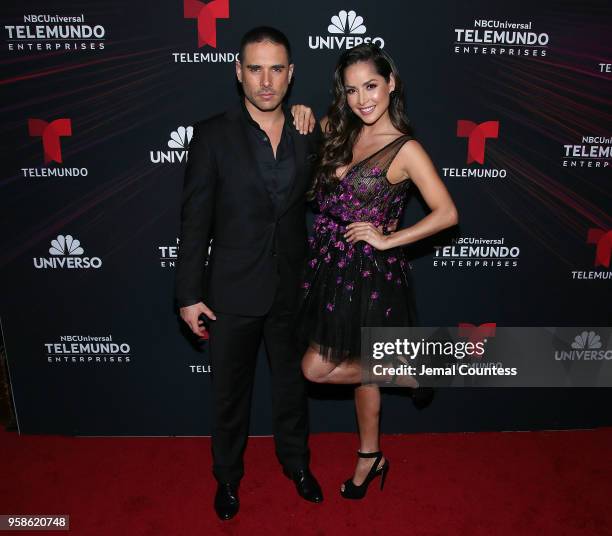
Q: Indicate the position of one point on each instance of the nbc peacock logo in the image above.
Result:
(66, 245)
(66, 253)
(345, 31)
(586, 346)
(178, 145)
(346, 23)
(587, 340)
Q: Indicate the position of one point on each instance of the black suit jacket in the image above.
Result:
(257, 251)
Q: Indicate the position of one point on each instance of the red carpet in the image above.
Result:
(475, 484)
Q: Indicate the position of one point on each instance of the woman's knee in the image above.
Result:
(313, 368)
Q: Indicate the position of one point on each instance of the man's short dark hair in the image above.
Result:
(264, 33)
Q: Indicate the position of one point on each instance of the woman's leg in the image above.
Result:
(367, 403)
(367, 407)
(317, 370)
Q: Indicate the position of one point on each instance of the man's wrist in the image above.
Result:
(186, 302)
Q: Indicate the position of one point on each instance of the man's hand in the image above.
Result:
(303, 118)
(191, 315)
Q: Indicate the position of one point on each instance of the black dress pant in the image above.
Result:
(234, 343)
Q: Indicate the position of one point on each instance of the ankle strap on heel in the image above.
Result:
(369, 454)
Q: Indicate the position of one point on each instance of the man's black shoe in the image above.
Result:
(306, 484)
(227, 503)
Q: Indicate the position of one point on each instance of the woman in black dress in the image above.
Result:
(357, 273)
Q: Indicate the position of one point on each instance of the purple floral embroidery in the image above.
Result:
(375, 295)
(330, 307)
(349, 285)
(366, 273)
(367, 249)
(338, 280)
(398, 281)
(340, 245)
(327, 258)
(305, 284)
(323, 250)
(341, 263)
(375, 171)
(312, 263)
(388, 312)
(391, 260)
(389, 276)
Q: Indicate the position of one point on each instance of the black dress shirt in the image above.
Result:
(277, 173)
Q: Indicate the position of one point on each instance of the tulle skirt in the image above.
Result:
(346, 287)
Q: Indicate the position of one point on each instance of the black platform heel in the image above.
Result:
(352, 491)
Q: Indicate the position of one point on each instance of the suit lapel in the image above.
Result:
(299, 149)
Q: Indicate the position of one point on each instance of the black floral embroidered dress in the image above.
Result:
(347, 286)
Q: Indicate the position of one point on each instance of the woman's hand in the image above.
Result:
(366, 232)
(303, 118)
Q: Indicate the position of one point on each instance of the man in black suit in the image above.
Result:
(245, 184)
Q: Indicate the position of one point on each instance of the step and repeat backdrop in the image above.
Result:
(510, 99)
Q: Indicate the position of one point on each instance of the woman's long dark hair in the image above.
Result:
(343, 125)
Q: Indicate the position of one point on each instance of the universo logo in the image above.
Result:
(586, 346)
(66, 252)
(344, 31)
(178, 143)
